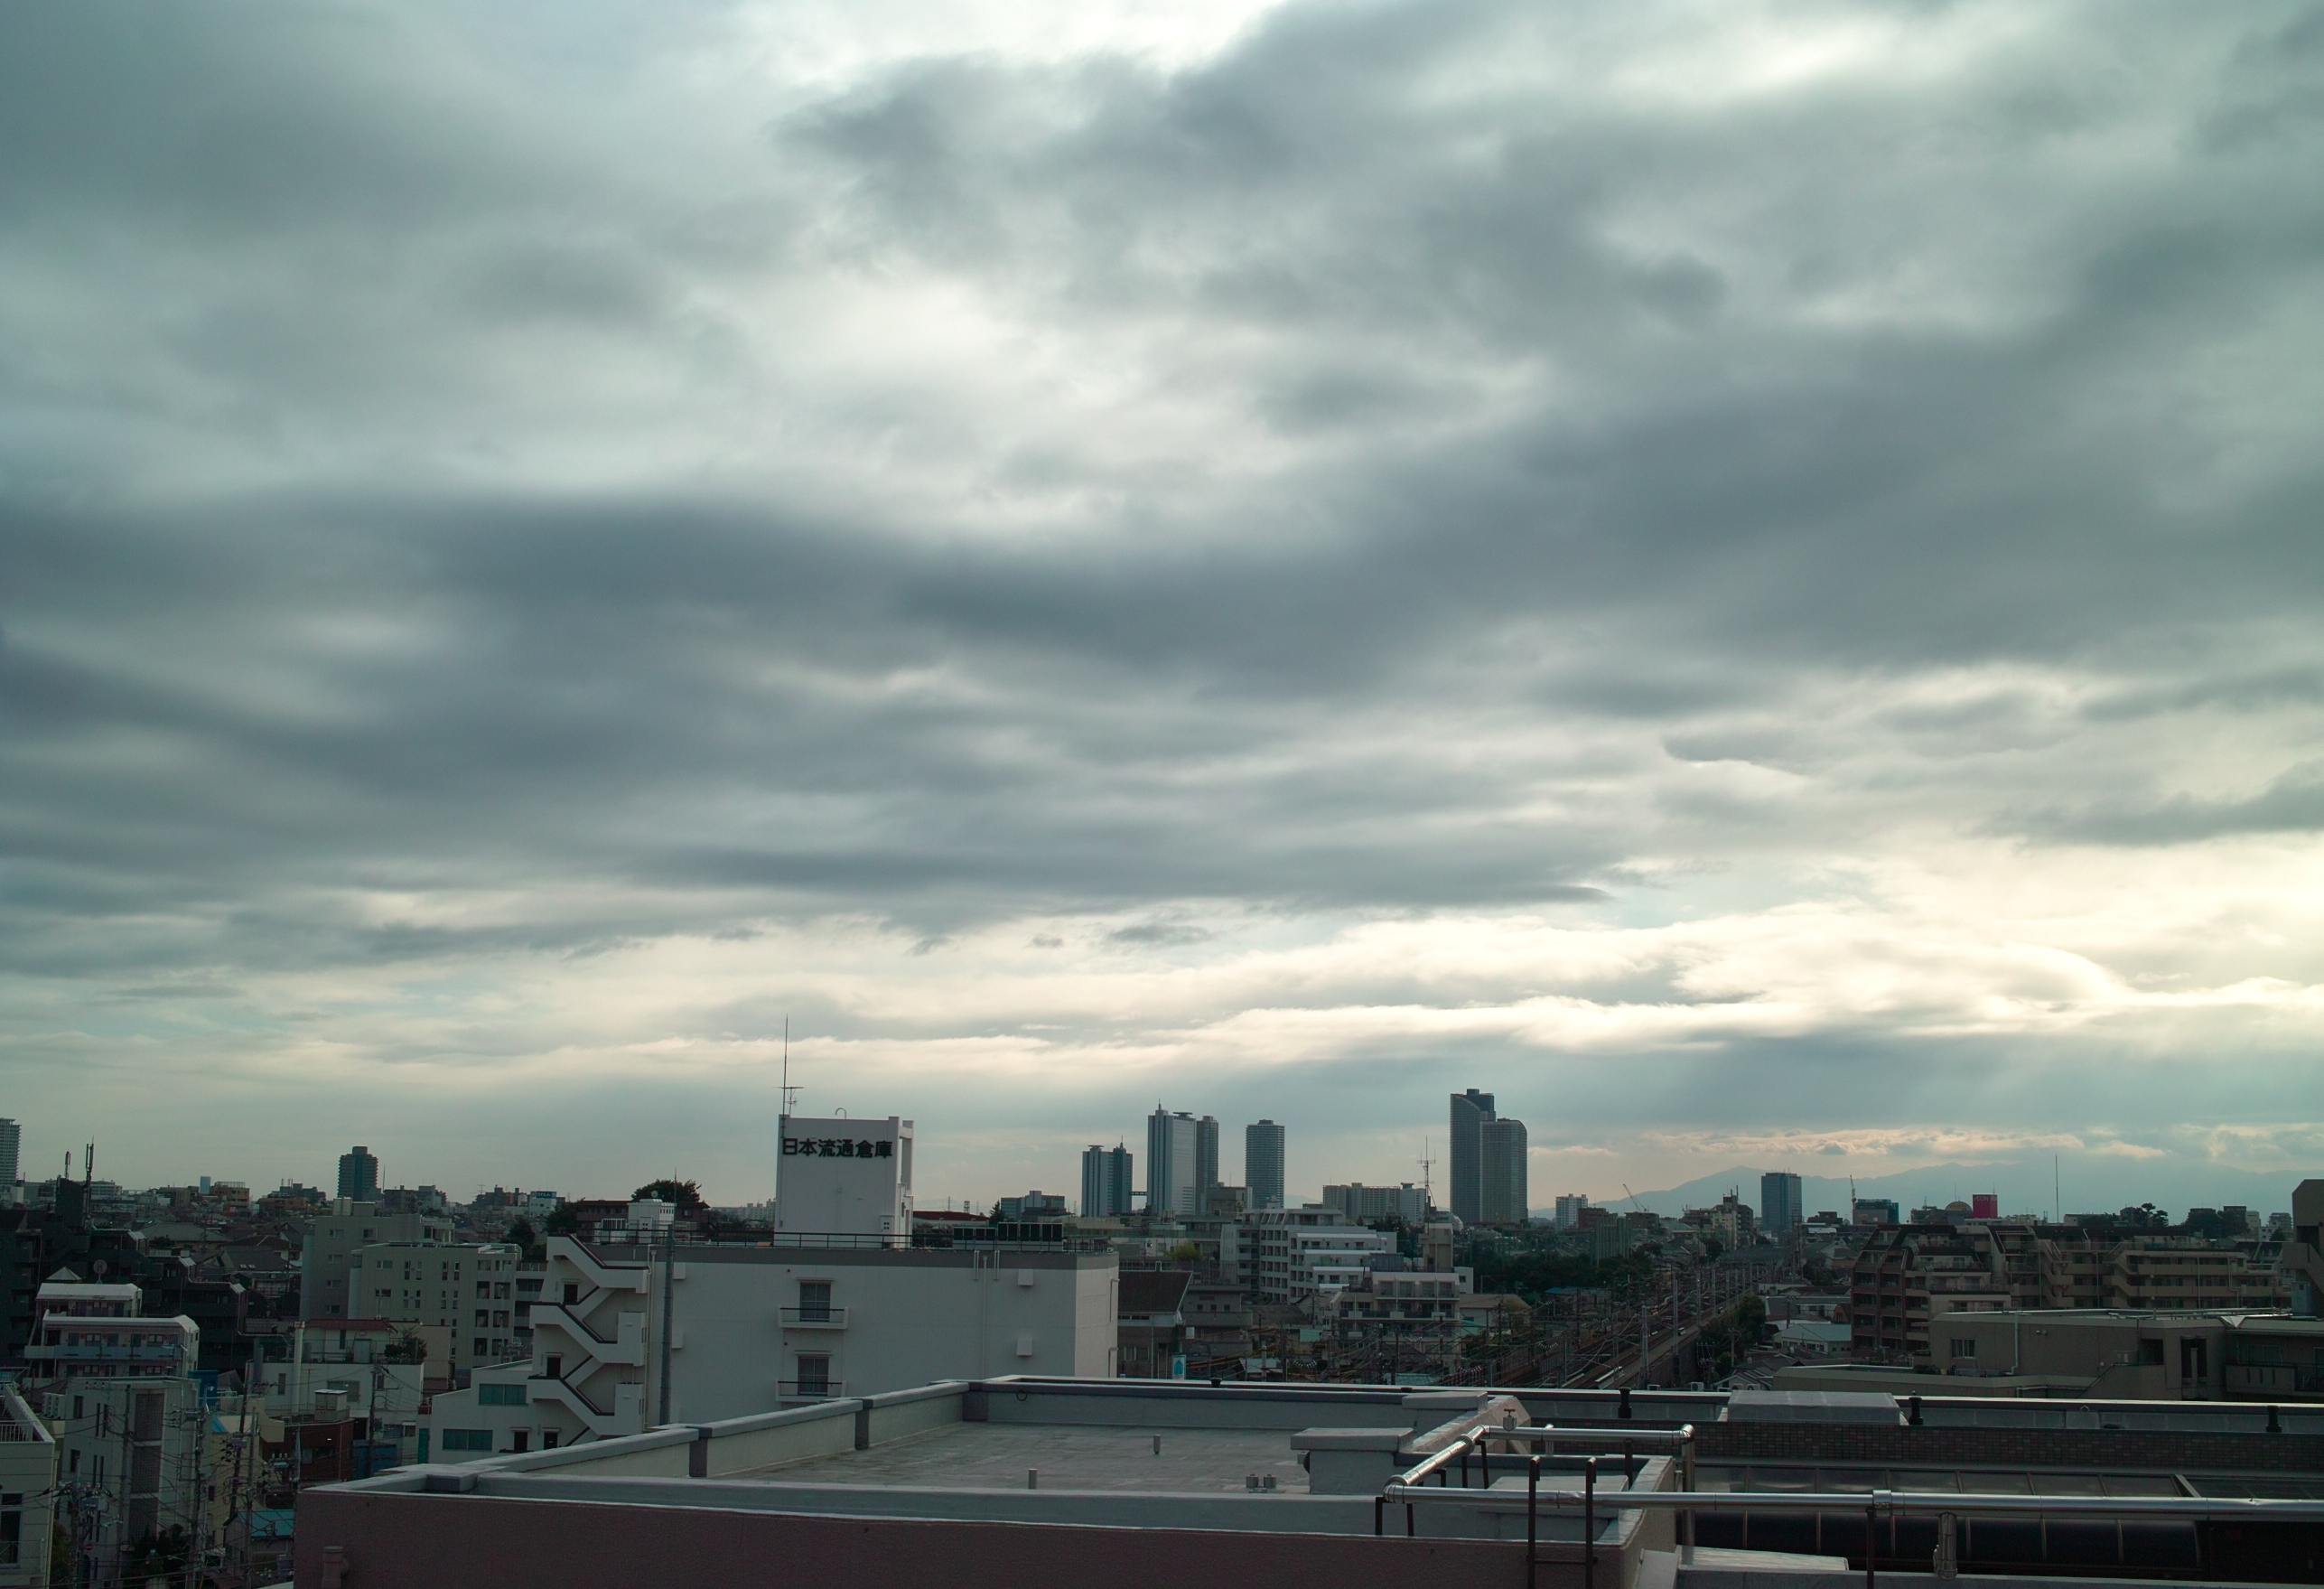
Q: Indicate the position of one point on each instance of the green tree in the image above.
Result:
(522, 1233)
(561, 1222)
(685, 1194)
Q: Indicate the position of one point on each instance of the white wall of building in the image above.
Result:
(839, 1175)
(468, 1290)
(890, 1320)
(28, 1481)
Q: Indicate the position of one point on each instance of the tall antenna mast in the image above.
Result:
(790, 1093)
(1426, 1164)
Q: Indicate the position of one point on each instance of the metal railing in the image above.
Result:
(810, 1389)
(1410, 1489)
(815, 1316)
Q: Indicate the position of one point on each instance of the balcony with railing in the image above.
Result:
(813, 1316)
(93, 1351)
(810, 1389)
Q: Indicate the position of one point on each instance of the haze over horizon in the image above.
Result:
(1743, 577)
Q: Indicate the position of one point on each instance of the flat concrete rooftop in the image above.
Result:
(994, 1456)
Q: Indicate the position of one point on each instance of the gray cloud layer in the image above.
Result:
(474, 502)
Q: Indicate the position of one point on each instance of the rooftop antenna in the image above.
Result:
(87, 1164)
(790, 1093)
(1426, 1164)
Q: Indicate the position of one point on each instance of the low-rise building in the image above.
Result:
(757, 1329)
(1407, 1203)
(2125, 1354)
(99, 1332)
(1217, 1316)
(1906, 1277)
(333, 1241)
(1293, 1255)
(468, 1290)
(28, 1491)
(1152, 1332)
(118, 1392)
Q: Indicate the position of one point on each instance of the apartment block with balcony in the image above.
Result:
(94, 1330)
(1908, 1276)
(1294, 1255)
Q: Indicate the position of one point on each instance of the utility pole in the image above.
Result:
(669, 1308)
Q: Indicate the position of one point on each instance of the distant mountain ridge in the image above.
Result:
(2090, 1183)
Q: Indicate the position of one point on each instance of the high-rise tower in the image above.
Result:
(1779, 1202)
(1471, 1111)
(1263, 1163)
(1501, 1171)
(1206, 1161)
(1171, 1187)
(1108, 1185)
(359, 1174)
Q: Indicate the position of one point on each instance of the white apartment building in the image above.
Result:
(1290, 1255)
(334, 1238)
(99, 1332)
(117, 1391)
(28, 1484)
(756, 1328)
(468, 1291)
(130, 1452)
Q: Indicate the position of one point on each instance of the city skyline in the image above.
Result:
(1744, 578)
(2098, 1184)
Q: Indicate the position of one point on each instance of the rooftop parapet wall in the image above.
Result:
(410, 1539)
(1933, 1445)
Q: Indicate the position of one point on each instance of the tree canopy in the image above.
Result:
(685, 1194)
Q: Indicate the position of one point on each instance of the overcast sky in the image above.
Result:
(1744, 577)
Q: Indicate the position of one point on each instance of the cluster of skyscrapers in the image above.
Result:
(1181, 1168)
(1488, 1166)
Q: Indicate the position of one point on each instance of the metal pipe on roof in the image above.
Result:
(1894, 1503)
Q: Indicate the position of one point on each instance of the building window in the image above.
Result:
(483, 1347)
(815, 1301)
(1964, 1349)
(815, 1375)
(467, 1440)
(12, 1529)
(500, 1396)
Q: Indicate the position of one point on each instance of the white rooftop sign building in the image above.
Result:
(844, 1177)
